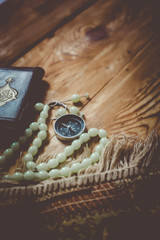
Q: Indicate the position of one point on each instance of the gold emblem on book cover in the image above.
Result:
(7, 93)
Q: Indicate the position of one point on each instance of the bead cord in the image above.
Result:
(41, 136)
(43, 171)
(40, 124)
(37, 142)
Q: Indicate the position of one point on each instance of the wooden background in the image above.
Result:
(110, 49)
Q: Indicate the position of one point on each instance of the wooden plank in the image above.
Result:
(74, 60)
(109, 55)
(130, 103)
(23, 23)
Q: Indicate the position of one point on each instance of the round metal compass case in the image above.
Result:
(69, 127)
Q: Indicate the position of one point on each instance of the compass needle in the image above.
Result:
(63, 124)
(73, 130)
(66, 131)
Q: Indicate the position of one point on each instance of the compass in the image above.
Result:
(69, 127)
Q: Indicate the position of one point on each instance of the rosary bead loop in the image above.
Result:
(33, 127)
(43, 171)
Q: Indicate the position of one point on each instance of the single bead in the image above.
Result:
(84, 137)
(76, 167)
(42, 167)
(39, 107)
(41, 120)
(52, 163)
(28, 157)
(22, 140)
(93, 132)
(8, 153)
(61, 112)
(29, 175)
(37, 142)
(102, 133)
(2, 160)
(18, 176)
(104, 141)
(43, 126)
(95, 157)
(65, 171)
(33, 150)
(28, 132)
(61, 157)
(76, 144)
(42, 175)
(44, 114)
(54, 173)
(99, 148)
(8, 177)
(46, 108)
(86, 162)
(15, 146)
(34, 126)
(42, 135)
(31, 165)
(68, 151)
(75, 98)
(73, 110)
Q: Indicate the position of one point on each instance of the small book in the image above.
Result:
(18, 87)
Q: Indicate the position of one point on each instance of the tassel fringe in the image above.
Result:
(122, 157)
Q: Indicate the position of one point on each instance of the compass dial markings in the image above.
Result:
(69, 126)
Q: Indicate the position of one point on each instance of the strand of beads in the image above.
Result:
(42, 134)
(86, 162)
(15, 147)
(75, 98)
(32, 151)
(37, 142)
(44, 171)
(63, 111)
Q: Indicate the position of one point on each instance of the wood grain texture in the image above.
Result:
(24, 23)
(111, 50)
(132, 99)
(72, 56)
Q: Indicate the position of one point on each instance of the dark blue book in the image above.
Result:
(18, 87)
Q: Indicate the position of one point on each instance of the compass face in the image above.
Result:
(69, 126)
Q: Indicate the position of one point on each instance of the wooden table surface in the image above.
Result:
(107, 48)
(110, 49)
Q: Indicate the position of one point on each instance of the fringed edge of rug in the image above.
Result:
(123, 157)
